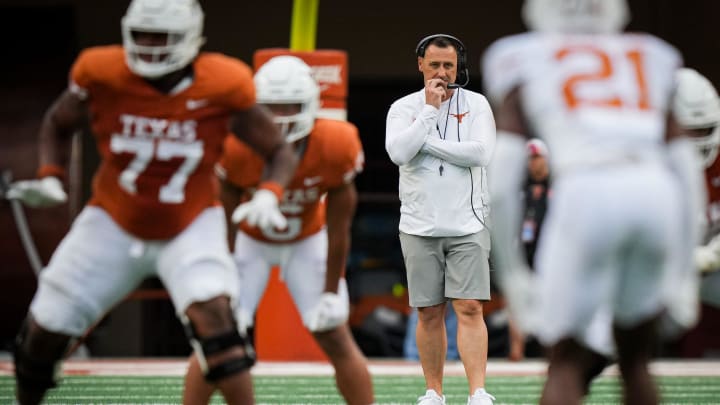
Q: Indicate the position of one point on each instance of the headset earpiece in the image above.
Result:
(463, 76)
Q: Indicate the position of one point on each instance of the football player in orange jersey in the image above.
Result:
(319, 204)
(159, 111)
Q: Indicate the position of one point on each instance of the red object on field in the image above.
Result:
(279, 332)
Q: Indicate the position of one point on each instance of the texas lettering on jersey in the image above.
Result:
(151, 139)
(134, 126)
(332, 158)
(158, 150)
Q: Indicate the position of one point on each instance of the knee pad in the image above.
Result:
(33, 373)
(207, 346)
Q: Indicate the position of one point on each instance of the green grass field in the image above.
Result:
(321, 390)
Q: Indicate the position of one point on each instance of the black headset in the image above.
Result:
(463, 76)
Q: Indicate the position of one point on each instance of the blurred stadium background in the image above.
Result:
(42, 37)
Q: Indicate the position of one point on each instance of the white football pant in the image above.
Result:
(612, 241)
(97, 264)
(302, 266)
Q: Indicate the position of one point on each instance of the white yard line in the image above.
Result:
(176, 367)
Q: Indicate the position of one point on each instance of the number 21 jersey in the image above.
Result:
(594, 99)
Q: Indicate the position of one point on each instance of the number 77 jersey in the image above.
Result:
(158, 150)
(593, 98)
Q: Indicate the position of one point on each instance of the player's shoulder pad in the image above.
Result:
(511, 44)
(230, 70)
(339, 141)
(658, 46)
(223, 65)
(99, 64)
(102, 54)
(503, 63)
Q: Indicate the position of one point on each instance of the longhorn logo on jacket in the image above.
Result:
(460, 116)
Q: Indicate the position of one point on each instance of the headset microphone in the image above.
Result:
(459, 85)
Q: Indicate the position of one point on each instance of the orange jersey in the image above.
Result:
(333, 157)
(158, 150)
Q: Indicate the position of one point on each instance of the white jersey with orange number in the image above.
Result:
(612, 238)
(595, 99)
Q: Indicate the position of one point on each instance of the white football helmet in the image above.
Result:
(696, 106)
(288, 80)
(181, 20)
(576, 16)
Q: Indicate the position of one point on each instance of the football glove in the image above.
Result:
(707, 257)
(683, 307)
(45, 192)
(330, 312)
(262, 211)
(519, 286)
(244, 321)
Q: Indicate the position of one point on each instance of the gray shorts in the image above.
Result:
(442, 268)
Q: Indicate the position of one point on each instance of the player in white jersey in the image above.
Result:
(621, 225)
(696, 106)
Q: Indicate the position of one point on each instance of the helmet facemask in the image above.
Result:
(295, 120)
(161, 36)
(285, 85)
(706, 142)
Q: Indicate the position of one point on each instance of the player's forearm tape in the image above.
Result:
(51, 171)
(273, 186)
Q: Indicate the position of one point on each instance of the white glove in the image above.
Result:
(330, 312)
(261, 211)
(244, 321)
(519, 287)
(707, 257)
(45, 192)
(682, 300)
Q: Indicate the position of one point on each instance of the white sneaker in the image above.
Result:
(480, 397)
(431, 398)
